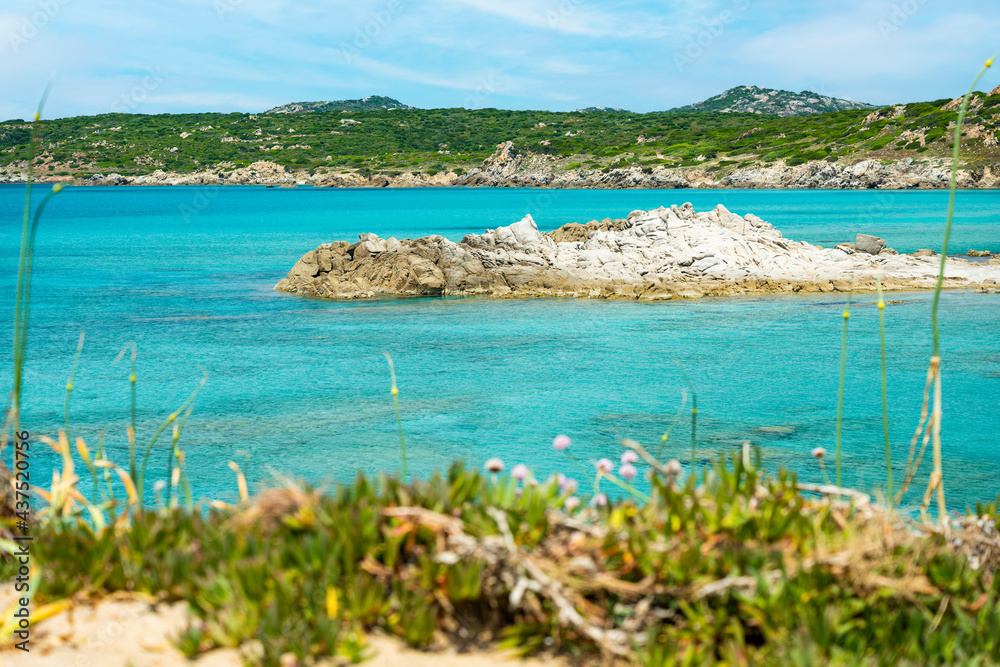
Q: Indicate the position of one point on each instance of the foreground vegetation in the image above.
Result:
(735, 566)
(433, 140)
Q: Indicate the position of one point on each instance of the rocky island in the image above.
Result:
(658, 254)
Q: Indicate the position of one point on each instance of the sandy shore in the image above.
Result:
(133, 631)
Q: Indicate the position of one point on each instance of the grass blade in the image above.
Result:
(840, 393)
(885, 392)
(399, 418)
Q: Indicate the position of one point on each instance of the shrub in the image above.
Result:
(919, 108)
(730, 562)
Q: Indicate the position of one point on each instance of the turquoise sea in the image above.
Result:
(299, 387)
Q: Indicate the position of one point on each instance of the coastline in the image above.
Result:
(510, 167)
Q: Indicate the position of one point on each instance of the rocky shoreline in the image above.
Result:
(660, 254)
(511, 167)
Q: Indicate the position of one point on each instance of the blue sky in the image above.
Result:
(250, 55)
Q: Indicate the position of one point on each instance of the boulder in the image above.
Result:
(575, 231)
(978, 253)
(872, 245)
(571, 233)
(704, 263)
(525, 231)
(924, 252)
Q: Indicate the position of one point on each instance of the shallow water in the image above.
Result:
(299, 386)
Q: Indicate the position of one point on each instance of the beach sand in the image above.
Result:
(134, 631)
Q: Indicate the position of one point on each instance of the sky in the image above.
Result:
(169, 56)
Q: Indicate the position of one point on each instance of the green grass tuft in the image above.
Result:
(840, 391)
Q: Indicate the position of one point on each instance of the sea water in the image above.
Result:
(299, 387)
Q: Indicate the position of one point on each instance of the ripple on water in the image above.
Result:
(301, 386)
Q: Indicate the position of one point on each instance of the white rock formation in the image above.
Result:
(651, 254)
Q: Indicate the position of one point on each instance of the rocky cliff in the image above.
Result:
(510, 166)
(258, 173)
(656, 254)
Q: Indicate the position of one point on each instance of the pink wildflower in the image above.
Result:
(566, 484)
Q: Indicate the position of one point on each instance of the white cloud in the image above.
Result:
(525, 53)
(846, 49)
(211, 101)
(574, 17)
(401, 73)
(566, 67)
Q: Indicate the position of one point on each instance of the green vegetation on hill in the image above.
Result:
(371, 103)
(431, 140)
(602, 110)
(754, 99)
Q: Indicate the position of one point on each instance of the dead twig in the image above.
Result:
(861, 499)
(911, 467)
(435, 521)
(613, 642)
(647, 457)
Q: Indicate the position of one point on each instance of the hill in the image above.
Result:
(370, 103)
(602, 110)
(771, 102)
(430, 142)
